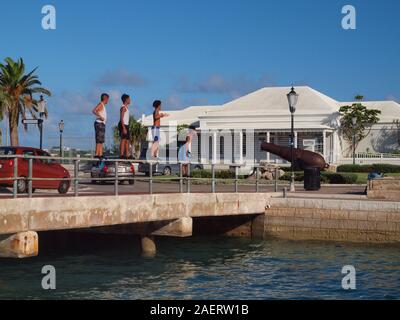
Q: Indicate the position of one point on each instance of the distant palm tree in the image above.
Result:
(17, 90)
(138, 134)
(1, 114)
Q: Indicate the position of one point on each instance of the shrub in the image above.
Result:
(378, 167)
(340, 178)
(206, 174)
(326, 177)
(298, 176)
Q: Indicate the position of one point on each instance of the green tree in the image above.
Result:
(17, 89)
(365, 119)
(138, 134)
(1, 114)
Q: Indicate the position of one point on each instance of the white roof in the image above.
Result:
(270, 102)
(273, 101)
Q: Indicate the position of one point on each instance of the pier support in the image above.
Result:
(20, 245)
(148, 245)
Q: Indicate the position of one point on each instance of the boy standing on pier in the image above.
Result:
(123, 127)
(157, 116)
(100, 124)
(185, 151)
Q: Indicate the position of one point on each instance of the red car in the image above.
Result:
(41, 169)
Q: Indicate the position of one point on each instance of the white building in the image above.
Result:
(233, 132)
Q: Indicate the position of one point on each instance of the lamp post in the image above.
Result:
(354, 121)
(61, 126)
(292, 99)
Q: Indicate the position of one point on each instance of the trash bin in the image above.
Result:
(312, 179)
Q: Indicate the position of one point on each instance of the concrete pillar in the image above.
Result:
(324, 144)
(240, 146)
(148, 245)
(180, 228)
(20, 245)
(269, 141)
(258, 227)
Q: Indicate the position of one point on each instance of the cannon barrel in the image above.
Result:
(302, 158)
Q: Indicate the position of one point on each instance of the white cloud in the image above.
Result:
(120, 77)
(217, 84)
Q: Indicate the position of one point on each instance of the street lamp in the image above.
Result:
(61, 126)
(292, 99)
(354, 121)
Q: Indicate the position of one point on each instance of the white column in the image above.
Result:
(240, 146)
(296, 139)
(268, 141)
(324, 145)
(214, 149)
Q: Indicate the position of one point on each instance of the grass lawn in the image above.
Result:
(362, 177)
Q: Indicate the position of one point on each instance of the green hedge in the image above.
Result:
(326, 177)
(378, 167)
(206, 174)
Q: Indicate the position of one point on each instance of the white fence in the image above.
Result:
(371, 158)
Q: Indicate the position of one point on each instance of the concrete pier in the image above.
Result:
(330, 220)
(260, 215)
(145, 215)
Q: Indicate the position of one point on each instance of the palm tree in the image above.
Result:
(138, 134)
(2, 96)
(17, 90)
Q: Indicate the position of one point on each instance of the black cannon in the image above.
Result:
(312, 163)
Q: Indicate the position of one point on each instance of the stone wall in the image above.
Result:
(384, 189)
(334, 220)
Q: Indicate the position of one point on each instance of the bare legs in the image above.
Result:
(154, 149)
(124, 148)
(99, 150)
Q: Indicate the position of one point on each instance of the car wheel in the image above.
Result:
(167, 171)
(22, 185)
(63, 187)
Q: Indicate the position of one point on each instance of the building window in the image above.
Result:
(244, 147)
(210, 148)
(221, 148)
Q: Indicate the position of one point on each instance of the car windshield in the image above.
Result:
(7, 151)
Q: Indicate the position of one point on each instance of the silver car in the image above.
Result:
(106, 169)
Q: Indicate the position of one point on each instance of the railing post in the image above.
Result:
(116, 180)
(76, 178)
(257, 178)
(276, 179)
(151, 178)
(236, 179)
(213, 178)
(180, 178)
(188, 179)
(15, 179)
(30, 171)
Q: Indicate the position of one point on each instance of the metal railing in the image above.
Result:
(75, 179)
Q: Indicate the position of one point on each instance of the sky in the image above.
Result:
(196, 52)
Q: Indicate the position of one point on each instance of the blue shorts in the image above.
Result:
(183, 154)
(156, 134)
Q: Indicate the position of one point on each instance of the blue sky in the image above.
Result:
(198, 52)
